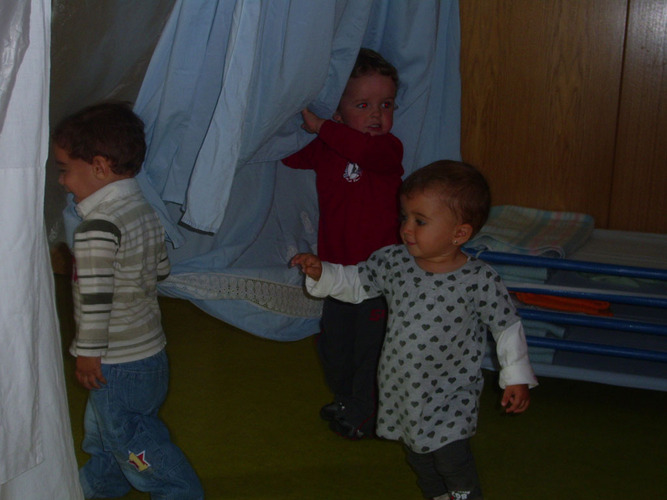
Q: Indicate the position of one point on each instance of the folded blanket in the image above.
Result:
(531, 231)
(537, 328)
(625, 248)
(521, 274)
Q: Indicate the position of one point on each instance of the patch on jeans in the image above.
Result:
(459, 495)
(139, 461)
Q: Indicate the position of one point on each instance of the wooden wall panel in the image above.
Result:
(639, 194)
(540, 89)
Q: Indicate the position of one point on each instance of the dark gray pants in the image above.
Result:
(450, 469)
(349, 349)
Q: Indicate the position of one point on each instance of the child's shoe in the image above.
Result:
(350, 431)
(332, 411)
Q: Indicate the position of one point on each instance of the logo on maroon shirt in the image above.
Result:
(352, 172)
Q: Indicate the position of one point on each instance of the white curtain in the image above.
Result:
(36, 451)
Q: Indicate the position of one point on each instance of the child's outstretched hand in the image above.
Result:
(310, 265)
(311, 122)
(516, 398)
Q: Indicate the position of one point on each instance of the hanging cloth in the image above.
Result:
(221, 100)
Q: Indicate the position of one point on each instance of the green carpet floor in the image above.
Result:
(245, 411)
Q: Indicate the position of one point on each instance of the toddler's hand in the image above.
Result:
(517, 397)
(311, 122)
(310, 264)
(89, 372)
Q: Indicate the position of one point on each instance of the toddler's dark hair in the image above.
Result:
(460, 186)
(109, 129)
(368, 62)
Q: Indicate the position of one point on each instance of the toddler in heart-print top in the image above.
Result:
(442, 304)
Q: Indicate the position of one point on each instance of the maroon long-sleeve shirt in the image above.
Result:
(357, 179)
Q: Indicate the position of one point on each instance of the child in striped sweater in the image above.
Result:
(119, 256)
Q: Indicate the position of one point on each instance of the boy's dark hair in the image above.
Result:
(461, 187)
(109, 129)
(368, 62)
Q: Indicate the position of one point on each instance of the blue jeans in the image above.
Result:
(128, 444)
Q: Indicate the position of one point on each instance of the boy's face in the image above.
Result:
(428, 229)
(76, 175)
(367, 105)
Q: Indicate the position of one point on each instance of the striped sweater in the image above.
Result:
(120, 255)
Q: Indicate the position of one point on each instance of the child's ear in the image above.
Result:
(462, 233)
(337, 117)
(101, 167)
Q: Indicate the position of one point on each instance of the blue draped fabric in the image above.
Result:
(221, 100)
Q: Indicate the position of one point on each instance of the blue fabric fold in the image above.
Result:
(221, 100)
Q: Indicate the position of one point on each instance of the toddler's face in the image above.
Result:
(428, 229)
(75, 175)
(367, 105)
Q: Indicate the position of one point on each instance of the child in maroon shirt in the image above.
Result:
(358, 173)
